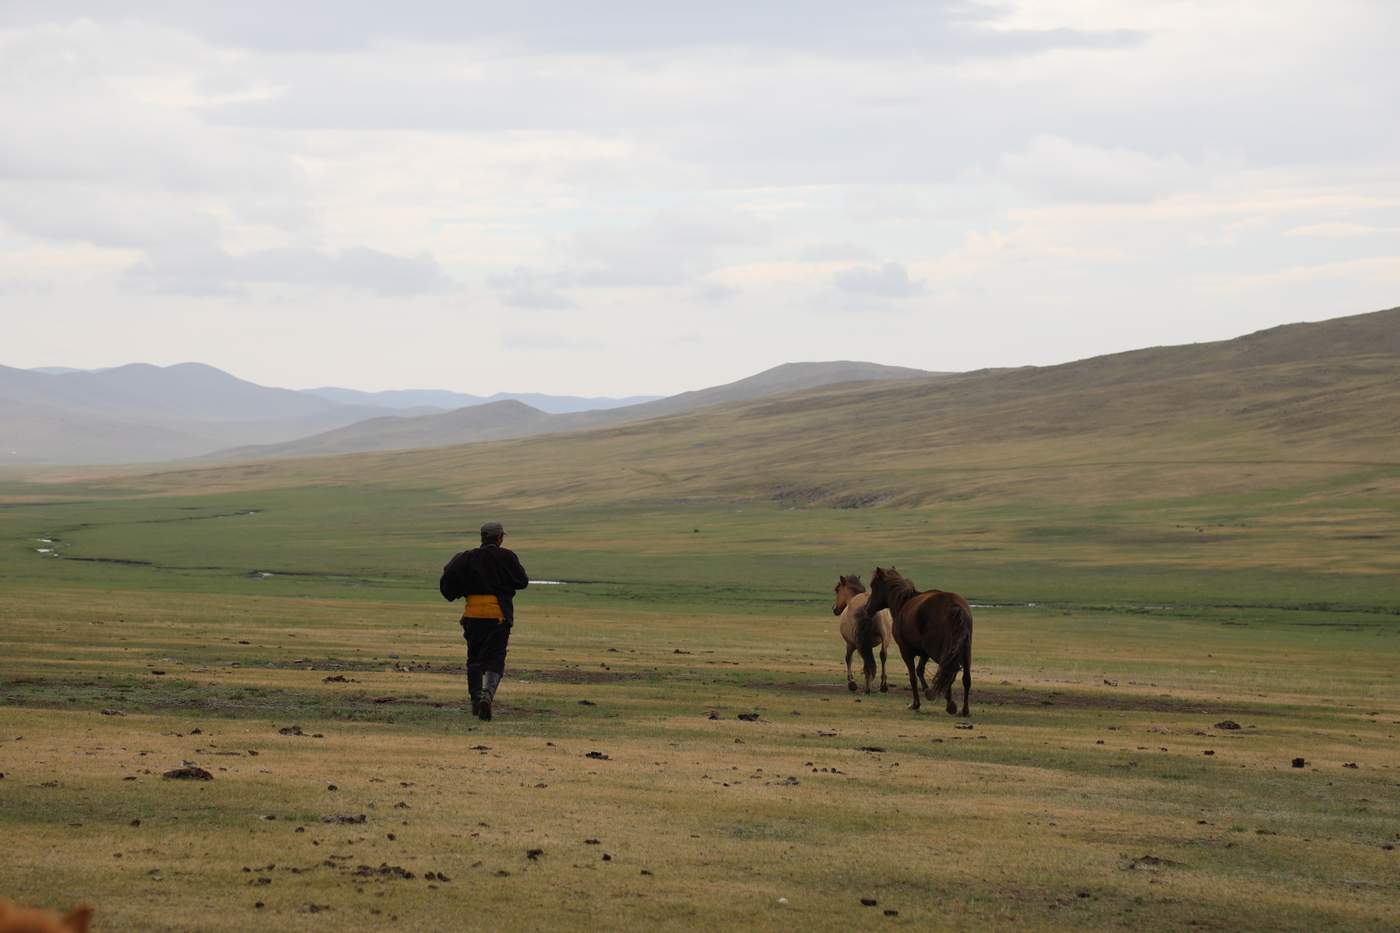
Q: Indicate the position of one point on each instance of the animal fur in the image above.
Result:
(953, 646)
(929, 624)
(868, 635)
(862, 631)
(16, 918)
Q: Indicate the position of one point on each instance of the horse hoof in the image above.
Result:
(912, 707)
(884, 688)
(952, 709)
(852, 685)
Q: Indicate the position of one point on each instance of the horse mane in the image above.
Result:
(899, 587)
(852, 581)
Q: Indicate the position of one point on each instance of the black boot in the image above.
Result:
(474, 688)
(489, 682)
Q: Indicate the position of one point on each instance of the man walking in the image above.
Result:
(488, 577)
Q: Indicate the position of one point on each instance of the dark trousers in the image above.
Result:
(486, 646)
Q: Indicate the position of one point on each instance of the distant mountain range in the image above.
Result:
(141, 413)
(512, 418)
(1311, 411)
(446, 401)
(1326, 389)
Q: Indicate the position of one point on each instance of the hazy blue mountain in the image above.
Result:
(186, 390)
(566, 404)
(489, 421)
(141, 413)
(144, 413)
(443, 399)
(512, 418)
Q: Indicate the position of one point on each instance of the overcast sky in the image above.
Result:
(645, 197)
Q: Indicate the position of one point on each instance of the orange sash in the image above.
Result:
(483, 607)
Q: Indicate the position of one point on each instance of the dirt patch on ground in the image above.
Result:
(1040, 699)
(575, 676)
(792, 686)
(1108, 701)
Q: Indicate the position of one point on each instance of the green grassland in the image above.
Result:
(1151, 550)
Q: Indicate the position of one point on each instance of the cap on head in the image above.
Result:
(492, 531)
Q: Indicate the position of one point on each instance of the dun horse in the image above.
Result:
(933, 624)
(861, 630)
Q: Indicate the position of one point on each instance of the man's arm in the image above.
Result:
(450, 583)
(516, 572)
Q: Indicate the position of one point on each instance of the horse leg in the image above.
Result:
(913, 679)
(850, 677)
(952, 707)
(884, 684)
(928, 691)
(967, 673)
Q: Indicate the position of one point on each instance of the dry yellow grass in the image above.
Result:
(1167, 540)
(1022, 820)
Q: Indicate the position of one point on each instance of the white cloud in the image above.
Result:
(834, 252)
(950, 29)
(714, 292)
(888, 281)
(1061, 169)
(1048, 178)
(201, 271)
(1380, 269)
(1338, 230)
(671, 248)
(529, 288)
(534, 341)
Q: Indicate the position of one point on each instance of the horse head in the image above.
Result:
(879, 590)
(846, 587)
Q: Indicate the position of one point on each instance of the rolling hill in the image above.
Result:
(1302, 404)
(186, 391)
(523, 420)
(488, 421)
(439, 398)
(142, 413)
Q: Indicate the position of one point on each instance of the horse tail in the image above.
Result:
(868, 635)
(961, 623)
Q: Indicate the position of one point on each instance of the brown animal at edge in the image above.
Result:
(932, 624)
(860, 630)
(15, 918)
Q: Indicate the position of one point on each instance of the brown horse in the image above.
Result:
(15, 918)
(861, 630)
(932, 624)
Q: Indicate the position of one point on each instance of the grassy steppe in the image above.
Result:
(1147, 629)
(1024, 819)
(1154, 543)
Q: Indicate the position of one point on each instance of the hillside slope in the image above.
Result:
(446, 401)
(789, 377)
(144, 413)
(394, 432)
(185, 391)
(1293, 404)
(521, 420)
